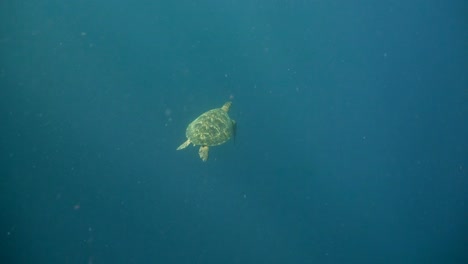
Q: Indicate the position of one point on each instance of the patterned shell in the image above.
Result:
(211, 128)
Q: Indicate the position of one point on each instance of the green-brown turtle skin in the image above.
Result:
(212, 128)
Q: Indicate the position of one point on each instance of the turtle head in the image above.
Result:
(226, 106)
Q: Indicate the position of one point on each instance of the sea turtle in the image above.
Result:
(212, 128)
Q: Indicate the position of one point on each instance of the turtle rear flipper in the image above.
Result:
(184, 145)
(203, 152)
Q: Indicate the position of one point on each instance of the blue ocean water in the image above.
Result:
(351, 141)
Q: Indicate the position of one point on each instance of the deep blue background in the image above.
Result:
(352, 139)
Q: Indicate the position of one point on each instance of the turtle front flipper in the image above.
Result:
(234, 130)
(184, 145)
(203, 152)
